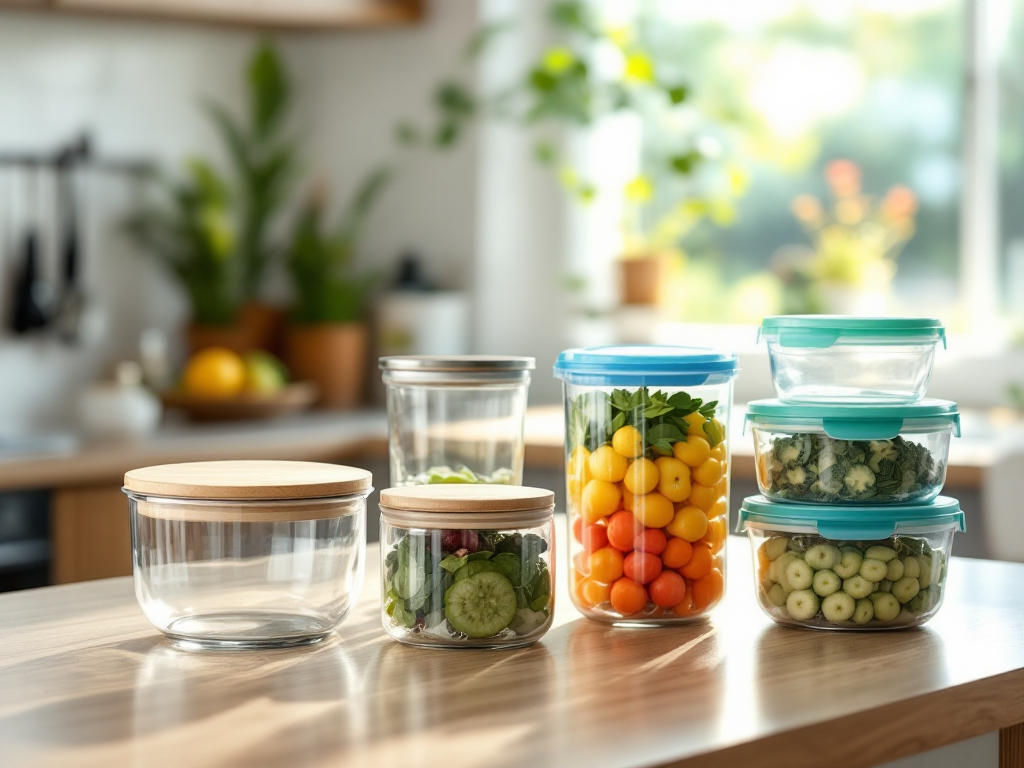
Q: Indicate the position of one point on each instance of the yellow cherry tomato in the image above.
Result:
(608, 465)
(693, 452)
(653, 510)
(689, 523)
(708, 473)
(600, 499)
(628, 442)
(641, 477)
(673, 478)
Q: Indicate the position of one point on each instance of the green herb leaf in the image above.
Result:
(665, 434)
(714, 431)
(453, 563)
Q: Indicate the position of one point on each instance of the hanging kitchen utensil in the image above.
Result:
(29, 312)
(72, 300)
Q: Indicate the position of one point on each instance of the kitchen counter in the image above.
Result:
(87, 682)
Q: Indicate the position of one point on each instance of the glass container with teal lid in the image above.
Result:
(825, 358)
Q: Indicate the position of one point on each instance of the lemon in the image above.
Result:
(215, 373)
(264, 373)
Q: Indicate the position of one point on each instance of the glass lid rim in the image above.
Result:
(456, 363)
(777, 511)
(851, 323)
(776, 408)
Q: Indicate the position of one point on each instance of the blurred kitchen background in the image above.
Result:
(304, 185)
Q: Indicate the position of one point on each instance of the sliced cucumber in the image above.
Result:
(780, 570)
(878, 552)
(838, 607)
(927, 570)
(481, 605)
(864, 612)
(826, 582)
(777, 595)
(894, 572)
(872, 570)
(857, 587)
(886, 606)
(911, 567)
(776, 547)
(802, 604)
(823, 556)
(850, 564)
(906, 589)
(799, 574)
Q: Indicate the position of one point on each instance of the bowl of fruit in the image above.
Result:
(219, 384)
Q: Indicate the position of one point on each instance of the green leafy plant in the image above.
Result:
(190, 232)
(329, 287)
(264, 162)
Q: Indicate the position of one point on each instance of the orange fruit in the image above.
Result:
(581, 564)
(622, 530)
(214, 373)
(707, 590)
(702, 497)
(600, 499)
(677, 553)
(689, 523)
(673, 478)
(696, 422)
(641, 567)
(594, 537)
(577, 472)
(593, 592)
(652, 540)
(653, 510)
(641, 477)
(607, 465)
(708, 473)
(693, 452)
(715, 535)
(685, 606)
(700, 562)
(668, 589)
(719, 451)
(628, 442)
(719, 508)
(606, 565)
(628, 597)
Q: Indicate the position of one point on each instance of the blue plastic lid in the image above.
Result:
(822, 331)
(852, 523)
(855, 422)
(645, 364)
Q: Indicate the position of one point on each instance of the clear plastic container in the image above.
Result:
(824, 358)
(850, 568)
(859, 454)
(647, 480)
(467, 566)
(247, 554)
(456, 419)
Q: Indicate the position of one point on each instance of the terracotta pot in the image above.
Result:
(333, 356)
(237, 337)
(266, 324)
(642, 277)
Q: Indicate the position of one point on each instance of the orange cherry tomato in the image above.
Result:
(628, 597)
(677, 553)
(700, 562)
(651, 540)
(668, 589)
(641, 567)
(708, 590)
(623, 530)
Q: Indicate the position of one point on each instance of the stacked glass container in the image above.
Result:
(850, 531)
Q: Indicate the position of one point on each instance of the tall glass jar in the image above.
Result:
(647, 480)
(456, 419)
(247, 554)
(467, 566)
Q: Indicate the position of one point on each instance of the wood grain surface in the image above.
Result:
(91, 534)
(87, 682)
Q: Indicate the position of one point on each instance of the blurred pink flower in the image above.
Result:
(844, 177)
(807, 209)
(899, 203)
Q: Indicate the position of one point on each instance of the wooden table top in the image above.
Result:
(85, 681)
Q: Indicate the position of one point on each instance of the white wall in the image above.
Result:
(136, 86)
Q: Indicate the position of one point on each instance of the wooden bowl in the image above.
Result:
(248, 405)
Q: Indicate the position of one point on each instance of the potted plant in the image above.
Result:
(190, 232)
(328, 337)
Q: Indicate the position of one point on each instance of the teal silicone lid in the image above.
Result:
(854, 422)
(645, 364)
(852, 523)
(822, 331)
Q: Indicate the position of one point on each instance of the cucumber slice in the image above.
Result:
(864, 611)
(886, 606)
(776, 547)
(911, 567)
(873, 570)
(802, 604)
(885, 554)
(894, 572)
(826, 582)
(927, 570)
(838, 607)
(781, 565)
(906, 589)
(481, 605)
(857, 587)
(799, 575)
(850, 564)
(777, 595)
(823, 556)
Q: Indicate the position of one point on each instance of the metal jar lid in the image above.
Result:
(493, 507)
(448, 370)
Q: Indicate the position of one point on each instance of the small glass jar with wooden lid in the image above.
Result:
(247, 554)
(467, 565)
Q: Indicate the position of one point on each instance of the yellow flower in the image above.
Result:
(639, 190)
(557, 60)
(850, 210)
(639, 68)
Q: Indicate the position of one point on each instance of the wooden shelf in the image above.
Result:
(277, 14)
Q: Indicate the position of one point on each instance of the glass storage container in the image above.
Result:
(852, 454)
(822, 358)
(830, 567)
(647, 480)
(247, 554)
(456, 419)
(467, 565)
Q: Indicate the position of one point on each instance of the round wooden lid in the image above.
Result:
(248, 480)
(466, 498)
